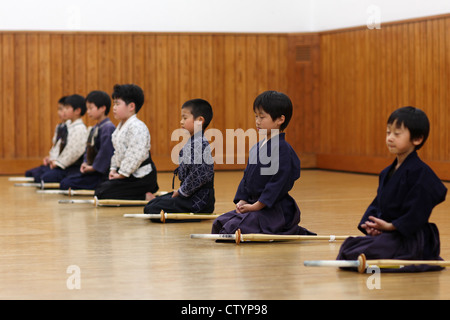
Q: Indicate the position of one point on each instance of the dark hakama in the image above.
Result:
(59, 142)
(196, 173)
(98, 154)
(270, 174)
(130, 188)
(405, 198)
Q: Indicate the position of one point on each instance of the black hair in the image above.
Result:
(276, 104)
(62, 99)
(100, 99)
(415, 120)
(200, 108)
(129, 93)
(76, 102)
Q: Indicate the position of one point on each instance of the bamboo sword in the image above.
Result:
(258, 237)
(69, 192)
(21, 179)
(362, 263)
(43, 185)
(163, 216)
(108, 202)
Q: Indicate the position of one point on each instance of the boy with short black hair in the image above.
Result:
(69, 160)
(196, 166)
(396, 223)
(132, 173)
(99, 148)
(263, 203)
(59, 136)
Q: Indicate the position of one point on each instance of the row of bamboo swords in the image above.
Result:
(361, 264)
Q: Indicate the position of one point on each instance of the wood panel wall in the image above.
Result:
(343, 83)
(37, 68)
(303, 89)
(366, 74)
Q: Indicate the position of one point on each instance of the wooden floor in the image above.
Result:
(128, 258)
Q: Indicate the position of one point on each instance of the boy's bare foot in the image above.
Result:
(149, 196)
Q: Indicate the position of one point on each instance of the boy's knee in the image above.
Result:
(150, 208)
(64, 184)
(51, 176)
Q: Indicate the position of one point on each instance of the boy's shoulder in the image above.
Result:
(77, 124)
(417, 171)
(283, 145)
(422, 174)
(198, 144)
(197, 139)
(106, 124)
(135, 124)
(414, 163)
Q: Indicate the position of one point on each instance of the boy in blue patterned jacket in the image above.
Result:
(196, 166)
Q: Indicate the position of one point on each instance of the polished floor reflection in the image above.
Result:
(78, 251)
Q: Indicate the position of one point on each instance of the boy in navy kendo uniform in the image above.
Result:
(196, 166)
(263, 203)
(396, 222)
(99, 148)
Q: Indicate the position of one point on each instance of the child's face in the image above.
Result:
(398, 140)
(61, 113)
(70, 113)
(264, 120)
(93, 112)
(188, 122)
(121, 110)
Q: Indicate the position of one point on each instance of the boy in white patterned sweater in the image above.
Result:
(59, 136)
(70, 158)
(132, 174)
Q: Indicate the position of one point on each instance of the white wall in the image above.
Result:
(157, 15)
(335, 14)
(208, 15)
